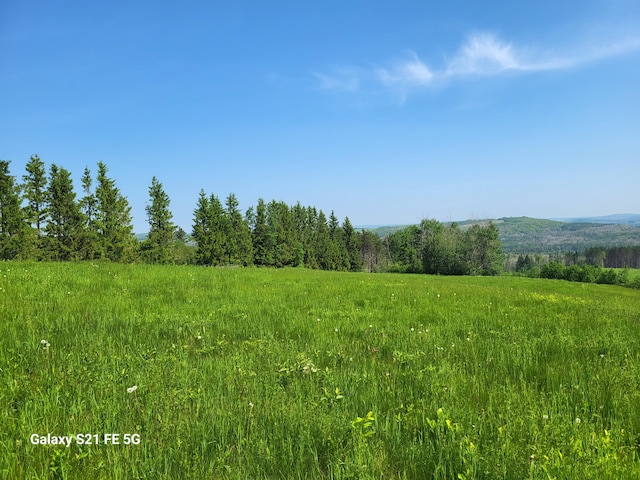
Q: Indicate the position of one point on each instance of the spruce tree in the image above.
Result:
(113, 219)
(239, 248)
(64, 225)
(34, 189)
(13, 237)
(200, 231)
(323, 243)
(209, 231)
(90, 239)
(159, 245)
(352, 245)
(262, 254)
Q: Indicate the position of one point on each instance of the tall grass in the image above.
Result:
(260, 373)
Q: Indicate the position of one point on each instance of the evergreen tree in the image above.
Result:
(323, 247)
(159, 245)
(90, 239)
(35, 191)
(13, 235)
(262, 254)
(239, 248)
(209, 231)
(64, 227)
(309, 239)
(200, 232)
(113, 219)
(352, 245)
(337, 248)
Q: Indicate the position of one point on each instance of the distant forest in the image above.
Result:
(42, 218)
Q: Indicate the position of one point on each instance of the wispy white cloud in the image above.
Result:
(481, 54)
(408, 73)
(341, 80)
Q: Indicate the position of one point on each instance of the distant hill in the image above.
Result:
(535, 235)
(618, 218)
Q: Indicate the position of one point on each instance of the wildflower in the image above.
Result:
(602, 355)
(336, 329)
(545, 417)
(412, 329)
(370, 326)
(45, 344)
(132, 389)
(250, 404)
(578, 421)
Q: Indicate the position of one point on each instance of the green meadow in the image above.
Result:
(292, 373)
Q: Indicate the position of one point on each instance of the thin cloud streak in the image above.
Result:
(482, 54)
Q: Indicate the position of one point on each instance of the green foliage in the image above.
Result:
(13, 234)
(64, 227)
(159, 245)
(294, 373)
(113, 219)
(239, 246)
(35, 193)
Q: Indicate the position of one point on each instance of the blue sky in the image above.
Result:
(386, 112)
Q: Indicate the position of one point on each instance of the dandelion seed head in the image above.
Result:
(545, 417)
(578, 421)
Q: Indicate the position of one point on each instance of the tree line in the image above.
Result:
(42, 218)
(435, 248)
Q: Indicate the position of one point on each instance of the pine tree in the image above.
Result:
(159, 245)
(113, 219)
(13, 235)
(64, 226)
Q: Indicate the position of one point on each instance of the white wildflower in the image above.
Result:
(132, 389)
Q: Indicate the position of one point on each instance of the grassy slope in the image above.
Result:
(264, 373)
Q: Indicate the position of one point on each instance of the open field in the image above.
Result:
(260, 373)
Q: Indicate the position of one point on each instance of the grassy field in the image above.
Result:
(259, 373)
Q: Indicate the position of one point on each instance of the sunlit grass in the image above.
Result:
(259, 373)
